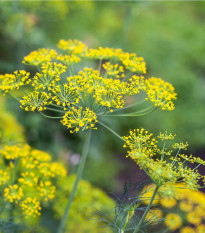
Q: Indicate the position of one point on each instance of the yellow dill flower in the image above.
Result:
(46, 190)
(193, 218)
(35, 101)
(187, 230)
(29, 163)
(181, 146)
(30, 207)
(192, 159)
(68, 59)
(166, 136)
(133, 63)
(13, 193)
(13, 152)
(50, 74)
(65, 95)
(40, 156)
(11, 130)
(28, 179)
(185, 206)
(4, 177)
(95, 93)
(9, 82)
(45, 170)
(58, 169)
(160, 164)
(115, 70)
(100, 53)
(161, 93)
(72, 46)
(136, 84)
(168, 202)
(140, 143)
(200, 228)
(40, 56)
(86, 199)
(189, 205)
(173, 221)
(79, 119)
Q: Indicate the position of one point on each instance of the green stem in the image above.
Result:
(78, 177)
(50, 117)
(14, 96)
(146, 211)
(55, 110)
(134, 114)
(127, 18)
(111, 130)
(100, 65)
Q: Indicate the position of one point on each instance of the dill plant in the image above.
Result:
(82, 86)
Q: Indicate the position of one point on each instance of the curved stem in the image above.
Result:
(111, 130)
(134, 114)
(78, 177)
(55, 110)
(146, 211)
(51, 117)
(16, 98)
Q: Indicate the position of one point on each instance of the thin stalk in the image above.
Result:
(55, 110)
(111, 130)
(146, 211)
(16, 98)
(50, 117)
(100, 65)
(134, 114)
(126, 107)
(196, 167)
(126, 25)
(78, 177)
(162, 156)
(175, 157)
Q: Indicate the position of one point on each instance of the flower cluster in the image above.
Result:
(10, 130)
(161, 164)
(86, 201)
(61, 87)
(27, 177)
(184, 212)
(13, 81)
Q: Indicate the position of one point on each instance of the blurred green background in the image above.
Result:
(169, 35)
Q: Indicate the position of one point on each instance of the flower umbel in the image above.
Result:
(82, 96)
